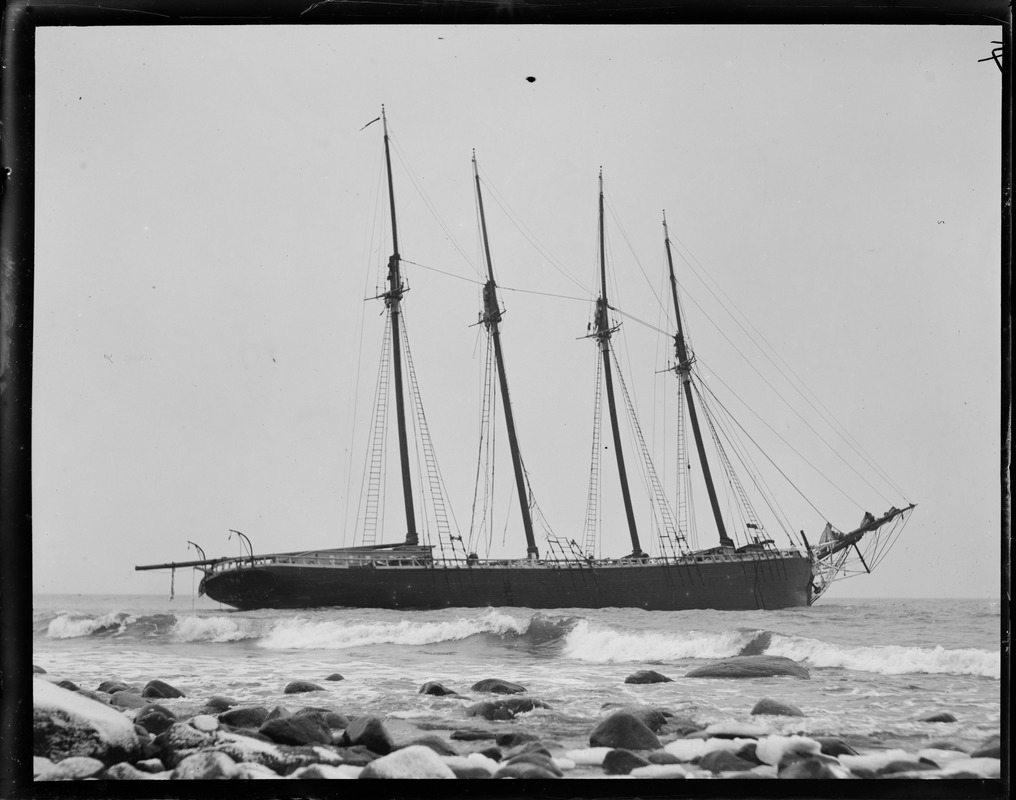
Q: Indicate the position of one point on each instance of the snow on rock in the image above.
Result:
(872, 761)
(659, 771)
(589, 756)
(688, 749)
(415, 761)
(771, 749)
(68, 724)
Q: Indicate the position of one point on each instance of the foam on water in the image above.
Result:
(339, 634)
(70, 626)
(890, 659)
(599, 645)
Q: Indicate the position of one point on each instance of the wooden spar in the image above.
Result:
(603, 331)
(392, 299)
(492, 318)
(683, 370)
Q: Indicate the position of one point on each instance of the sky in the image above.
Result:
(211, 228)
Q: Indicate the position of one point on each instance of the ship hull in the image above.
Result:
(748, 584)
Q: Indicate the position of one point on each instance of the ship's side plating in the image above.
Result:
(769, 582)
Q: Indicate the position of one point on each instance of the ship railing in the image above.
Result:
(345, 560)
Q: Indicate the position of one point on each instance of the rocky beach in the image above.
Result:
(144, 728)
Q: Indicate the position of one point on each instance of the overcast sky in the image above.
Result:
(210, 220)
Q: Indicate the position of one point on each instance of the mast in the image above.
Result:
(492, 318)
(392, 299)
(683, 369)
(603, 332)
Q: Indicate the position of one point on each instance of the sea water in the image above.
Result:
(877, 666)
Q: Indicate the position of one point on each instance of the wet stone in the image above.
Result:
(539, 759)
(327, 717)
(218, 704)
(514, 738)
(835, 747)
(989, 748)
(205, 766)
(894, 767)
(505, 709)
(299, 687)
(724, 761)
(154, 718)
(776, 708)
(435, 743)
(662, 757)
(335, 677)
(624, 731)
(157, 688)
(525, 771)
(125, 772)
(37, 670)
(621, 762)
(647, 676)
(497, 686)
(111, 687)
(760, 666)
(127, 699)
(437, 689)
(69, 686)
(942, 716)
(410, 762)
(369, 732)
(297, 730)
(245, 717)
(472, 735)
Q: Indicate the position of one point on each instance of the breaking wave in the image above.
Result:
(603, 645)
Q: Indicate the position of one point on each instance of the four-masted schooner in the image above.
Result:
(408, 574)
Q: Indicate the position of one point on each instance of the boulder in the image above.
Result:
(539, 759)
(411, 762)
(647, 676)
(776, 708)
(180, 740)
(161, 689)
(662, 757)
(811, 768)
(535, 746)
(75, 768)
(150, 765)
(218, 704)
(70, 686)
(435, 743)
(760, 666)
(245, 716)
(335, 677)
(329, 718)
(369, 732)
(154, 718)
(724, 761)
(299, 687)
(37, 670)
(625, 731)
(205, 766)
(471, 735)
(297, 729)
(436, 689)
(989, 748)
(653, 718)
(66, 724)
(525, 770)
(505, 709)
(621, 762)
(127, 699)
(941, 716)
(125, 772)
(111, 687)
(758, 645)
(497, 686)
(514, 738)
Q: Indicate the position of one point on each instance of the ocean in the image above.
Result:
(877, 666)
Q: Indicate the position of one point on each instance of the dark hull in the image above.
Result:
(751, 583)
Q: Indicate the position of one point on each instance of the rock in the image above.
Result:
(468, 769)
(524, 770)
(204, 722)
(471, 735)
(647, 676)
(724, 761)
(358, 755)
(894, 767)
(669, 771)
(279, 711)
(662, 757)
(621, 762)
(157, 688)
(245, 717)
(505, 709)
(205, 766)
(75, 768)
(758, 644)
(251, 771)
(335, 677)
(150, 765)
(623, 730)
(989, 748)
(535, 746)
(776, 708)
(111, 687)
(811, 768)
(435, 743)
(493, 753)
(70, 686)
(410, 762)
(329, 718)
(126, 699)
(218, 704)
(125, 772)
(514, 738)
(835, 747)
(325, 772)
(750, 667)
(942, 716)
(773, 749)
(179, 741)
(497, 686)
(297, 730)
(539, 759)
(436, 689)
(154, 718)
(37, 670)
(369, 732)
(66, 724)
(299, 687)
(98, 697)
(749, 753)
